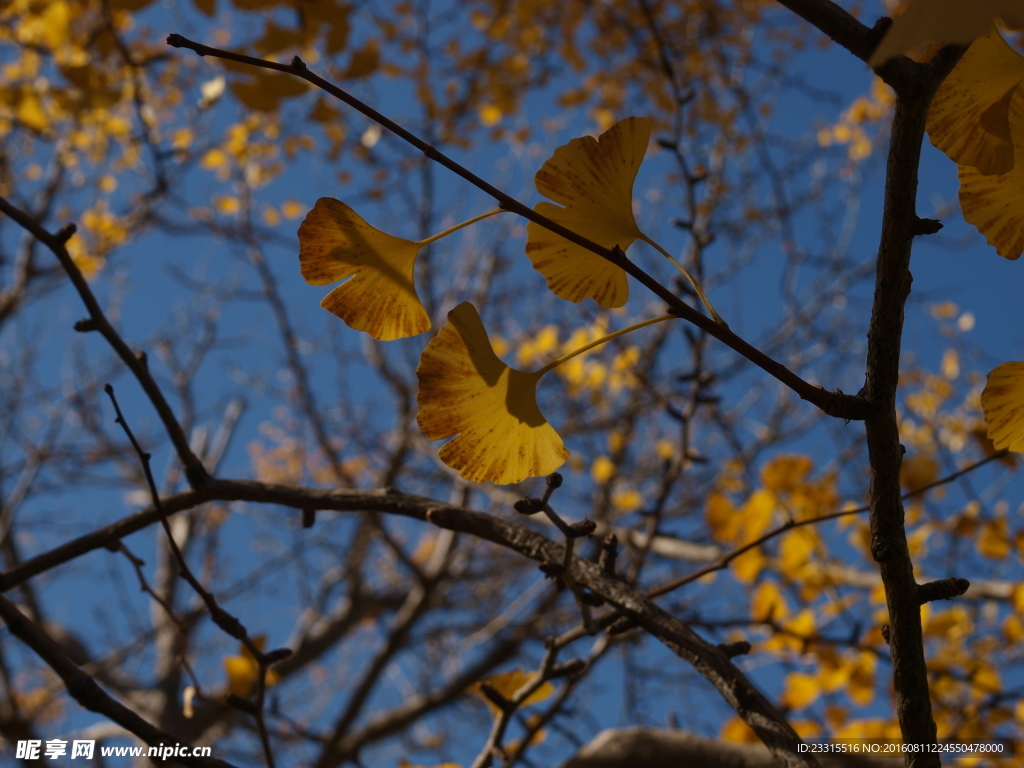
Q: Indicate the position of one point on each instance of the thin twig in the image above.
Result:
(194, 470)
(137, 564)
(723, 561)
(84, 689)
(221, 618)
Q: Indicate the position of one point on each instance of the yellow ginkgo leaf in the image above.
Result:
(994, 540)
(465, 390)
(861, 685)
(945, 21)
(800, 692)
(334, 244)
(1003, 404)
(403, 763)
(767, 603)
(995, 204)
(969, 118)
(243, 671)
(918, 471)
(723, 518)
(592, 182)
(507, 683)
(796, 548)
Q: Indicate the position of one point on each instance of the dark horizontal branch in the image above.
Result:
(136, 363)
(341, 501)
(87, 691)
(759, 713)
(849, 407)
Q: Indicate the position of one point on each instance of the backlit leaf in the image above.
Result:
(796, 548)
(969, 118)
(944, 21)
(262, 90)
(380, 298)
(465, 390)
(592, 182)
(995, 204)
(1003, 403)
(861, 686)
(747, 566)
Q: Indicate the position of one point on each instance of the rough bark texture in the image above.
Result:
(750, 704)
(900, 225)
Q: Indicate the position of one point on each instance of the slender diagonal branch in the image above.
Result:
(221, 618)
(727, 557)
(136, 363)
(87, 691)
(836, 404)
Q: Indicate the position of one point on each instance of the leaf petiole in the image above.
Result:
(693, 281)
(587, 347)
(457, 227)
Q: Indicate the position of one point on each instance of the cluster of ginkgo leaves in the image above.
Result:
(465, 390)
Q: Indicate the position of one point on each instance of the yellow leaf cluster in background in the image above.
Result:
(851, 127)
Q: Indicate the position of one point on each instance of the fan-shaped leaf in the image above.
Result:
(465, 390)
(592, 182)
(334, 244)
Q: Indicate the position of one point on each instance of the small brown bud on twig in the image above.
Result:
(886, 632)
(569, 668)
(943, 589)
(609, 551)
(582, 528)
(66, 232)
(732, 650)
(528, 506)
(85, 325)
(308, 518)
(621, 626)
(243, 704)
(277, 655)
